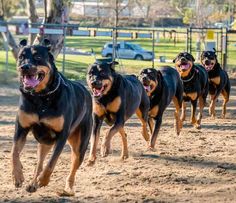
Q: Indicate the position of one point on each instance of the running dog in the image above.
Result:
(115, 99)
(162, 87)
(55, 109)
(196, 85)
(218, 81)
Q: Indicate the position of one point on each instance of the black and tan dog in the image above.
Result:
(196, 85)
(218, 81)
(115, 99)
(55, 109)
(162, 87)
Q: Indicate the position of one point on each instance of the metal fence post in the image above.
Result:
(153, 48)
(64, 49)
(7, 58)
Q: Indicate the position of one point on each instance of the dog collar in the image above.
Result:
(187, 80)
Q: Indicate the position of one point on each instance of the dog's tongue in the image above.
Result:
(97, 92)
(147, 88)
(30, 81)
(185, 66)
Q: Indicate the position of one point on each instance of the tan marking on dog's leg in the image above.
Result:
(178, 122)
(17, 173)
(182, 117)
(144, 125)
(226, 99)
(124, 153)
(193, 117)
(151, 124)
(212, 107)
(42, 152)
(201, 107)
(74, 142)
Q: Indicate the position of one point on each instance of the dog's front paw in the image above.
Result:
(67, 192)
(32, 187)
(18, 177)
(43, 179)
(104, 150)
(91, 162)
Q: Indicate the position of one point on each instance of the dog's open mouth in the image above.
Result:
(184, 66)
(147, 88)
(209, 67)
(97, 92)
(30, 81)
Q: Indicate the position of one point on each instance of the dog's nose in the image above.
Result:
(25, 67)
(95, 83)
(207, 62)
(145, 79)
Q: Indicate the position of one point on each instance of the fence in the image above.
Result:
(76, 54)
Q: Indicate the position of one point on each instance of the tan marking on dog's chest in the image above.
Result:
(192, 95)
(27, 119)
(54, 123)
(98, 109)
(114, 106)
(215, 80)
(154, 111)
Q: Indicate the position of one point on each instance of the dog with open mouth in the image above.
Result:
(195, 80)
(162, 86)
(115, 99)
(218, 81)
(55, 110)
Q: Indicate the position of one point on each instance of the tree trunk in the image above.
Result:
(33, 18)
(8, 38)
(57, 14)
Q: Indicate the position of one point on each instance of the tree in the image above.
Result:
(56, 12)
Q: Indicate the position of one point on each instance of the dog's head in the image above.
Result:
(209, 59)
(184, 62)
(100, 77)
(150, 78)
(35, 65)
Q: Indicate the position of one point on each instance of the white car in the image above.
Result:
(127, 50)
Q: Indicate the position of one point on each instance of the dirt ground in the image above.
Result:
(197, 166)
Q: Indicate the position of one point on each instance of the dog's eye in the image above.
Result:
(102, 73)
(21, 57)
(37, 57)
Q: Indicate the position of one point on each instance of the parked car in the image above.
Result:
(127, 50)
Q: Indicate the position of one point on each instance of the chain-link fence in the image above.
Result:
(83, 44)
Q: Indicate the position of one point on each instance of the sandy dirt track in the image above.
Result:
(197, 166)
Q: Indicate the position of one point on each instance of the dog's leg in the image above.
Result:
(182, 117)
(19, 142)
(201, 107)
(193, 112)
(143, 119)
(226, 99)
(151, 124)
(42, 153)
(44, 177)
(97, 123)
(212, 106)
(119, 123)
(156, 131)
(178, 122)
(124, 153)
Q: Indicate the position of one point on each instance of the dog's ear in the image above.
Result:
(113, 64)
(175, 59)
(23, 43)
(192, 58)
(47, 43)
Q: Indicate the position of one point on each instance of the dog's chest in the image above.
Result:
(26, 120)
(111, 107)
(215, 80)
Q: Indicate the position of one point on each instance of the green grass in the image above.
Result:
(76, 65)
